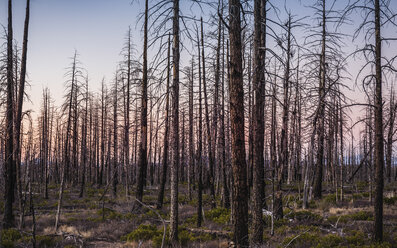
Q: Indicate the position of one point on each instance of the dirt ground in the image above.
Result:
(118, 222)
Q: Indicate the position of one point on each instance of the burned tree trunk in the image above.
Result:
(163, 177)
(143, 144)
(259, 122)
(379, 153)
(8, 220)
(175, 125)
(240, 201)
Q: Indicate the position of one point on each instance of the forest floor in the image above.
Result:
(87, 222)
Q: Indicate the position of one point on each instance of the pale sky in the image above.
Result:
(97, 29)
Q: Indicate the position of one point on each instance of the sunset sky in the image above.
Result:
(96, 29)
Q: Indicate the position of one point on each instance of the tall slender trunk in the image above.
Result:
(18, 118)
(207, 120)
(164, 168)
(191, 137)
(115, 140)
(84, 153)
(379, 153)
(389, 139)
(127, 115)
(66, 154)
(321, 114)
(240, 201)
(200, 147)
(259, 122)
(143, 143)
(175, 126)
(284, 130)
(9, 182)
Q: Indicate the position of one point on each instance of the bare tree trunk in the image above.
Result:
(284, 131)
(379, 153)
(207, 119)
(191, 137)
(164, 168)
(66, 154)
(225, 193)
(143, 144)
(321, 114)
(259, 122)
(115, 140)
(175, 126)
(127, 115)
(389, 141)
(18, 121)
(240, 201)
(8, 220)
(200, 147)
(84, 149)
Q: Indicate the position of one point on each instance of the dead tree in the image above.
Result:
(115, 139)
(163, 177)
(20, 97)
(74, 74)
(259, 122)
(377, 15)
(144, 107)
(207, 121)
(84, 132)
(175, 125)
(240, 201)
(8, 220)
(390, 135)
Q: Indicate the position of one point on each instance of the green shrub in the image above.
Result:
(330, 240)
(305, 215)
(390, 200)
(47, 241)
(361, 215)
(301, 240)
(218, 215)
(142, 233)
(109, 214)
(9, 237)
(356, 238)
